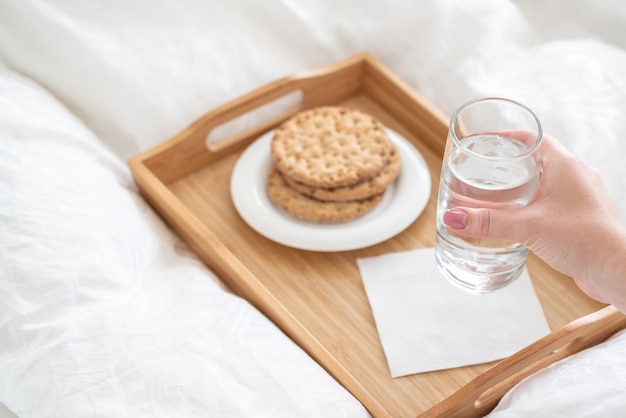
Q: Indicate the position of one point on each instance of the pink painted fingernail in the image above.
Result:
(455, 218)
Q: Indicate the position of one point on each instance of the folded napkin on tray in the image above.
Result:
(425, 323)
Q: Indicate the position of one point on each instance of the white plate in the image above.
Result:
(402, 203)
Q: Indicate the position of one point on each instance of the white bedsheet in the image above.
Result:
(98, 299)
(104, 312)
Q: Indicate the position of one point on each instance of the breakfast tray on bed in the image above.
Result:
(317, 297)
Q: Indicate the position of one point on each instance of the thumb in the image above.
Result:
(482, 222)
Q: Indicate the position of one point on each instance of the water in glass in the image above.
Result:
(489, 177)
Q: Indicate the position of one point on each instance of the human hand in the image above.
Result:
(570, 223)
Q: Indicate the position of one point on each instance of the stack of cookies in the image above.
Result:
(331, 164)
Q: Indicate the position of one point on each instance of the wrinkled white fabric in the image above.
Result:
(137, 72)
(103, 312)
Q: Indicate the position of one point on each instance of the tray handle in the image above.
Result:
(236, 123)
(267, 106)
(478, 397)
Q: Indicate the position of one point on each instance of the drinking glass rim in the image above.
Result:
(464, 149)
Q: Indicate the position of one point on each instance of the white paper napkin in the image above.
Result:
(426, 323)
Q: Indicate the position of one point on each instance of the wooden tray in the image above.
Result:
(318, 298)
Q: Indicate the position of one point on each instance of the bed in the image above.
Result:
(104, 311)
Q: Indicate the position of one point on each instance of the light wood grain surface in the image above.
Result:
(318, 298)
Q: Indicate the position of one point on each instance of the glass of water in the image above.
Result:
(490, 161)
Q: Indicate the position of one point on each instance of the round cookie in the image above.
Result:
(331, 147)
(309, 209)
(361, 190)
